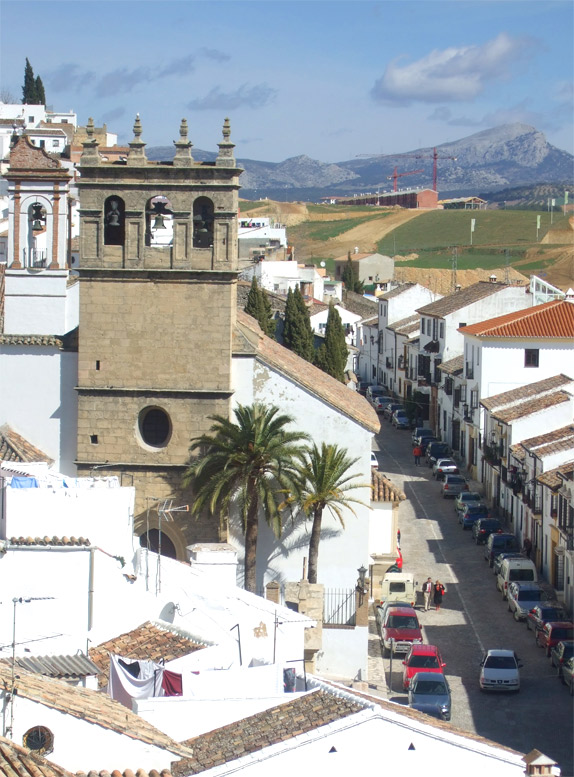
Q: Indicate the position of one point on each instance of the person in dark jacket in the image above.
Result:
(439, 592)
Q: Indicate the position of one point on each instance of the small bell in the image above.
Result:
(158, 222)
(37, 226)
(37, 217)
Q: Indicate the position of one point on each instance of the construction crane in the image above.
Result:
(435, 157)
(395, 176)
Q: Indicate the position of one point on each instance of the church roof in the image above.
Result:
(249, 339)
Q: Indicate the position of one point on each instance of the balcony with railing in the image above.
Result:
(491, 454)
(34, 257)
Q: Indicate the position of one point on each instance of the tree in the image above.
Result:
(332, 354)
(297, 333)
(325, 484)
(350, 277)
(29, 87)
(249, 462)
(40, 93)
(259, 307)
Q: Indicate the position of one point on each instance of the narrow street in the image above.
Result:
(473, 619)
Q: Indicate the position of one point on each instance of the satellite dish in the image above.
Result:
(322, 264)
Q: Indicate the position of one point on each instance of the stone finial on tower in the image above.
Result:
(136, 155)
(225, 156)
(90, 154)
(183, 146)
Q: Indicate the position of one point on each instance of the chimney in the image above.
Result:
(458, 287)
(215, 561)
(356, 249)
(569, 297)
(492, 278)
(538, 764)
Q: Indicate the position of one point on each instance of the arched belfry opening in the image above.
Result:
(158, 246)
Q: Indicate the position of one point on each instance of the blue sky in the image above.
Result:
(327, 78)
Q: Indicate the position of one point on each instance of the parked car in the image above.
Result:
(375, 391)
(362, 387)
(567, 675)
(464, 498)
(402, 626)
(472, 513)
(444, 467)
(553, 633)
(437, 450)
(419, 432)
(484, 527)
(421, 658)
(497, 560)
(425, 442)
(516, 570)
(390, 409)
(400, 420)
(541, 614)
(381, 612)
(560, 654)
(374, 460)
(429, 692)
(500, 671)
(380, 403)
(500, 542)
(453, 485)
(522, 597)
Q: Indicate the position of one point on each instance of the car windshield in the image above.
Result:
(500, 662)
(424, 662)
(530, 595)
(524, 574)
(562, 633)
(470, 496)
(551, 614)
(454, 479)
(430, 688)
(476, 510)
(446, 463)
(402, 622)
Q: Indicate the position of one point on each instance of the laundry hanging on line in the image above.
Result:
(138, 679)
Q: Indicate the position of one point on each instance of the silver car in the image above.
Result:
(453, 486)
(463, 499)
(444, 467)
(429, 692)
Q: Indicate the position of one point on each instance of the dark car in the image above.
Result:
(553, 633)
(560, 653)
(483, 528)
(472, 513)
(390, 409)
(362, 387)
(419, 432)
(425, 442)
(437, 450)
(500, 543)
(542, 614)
(429, 692)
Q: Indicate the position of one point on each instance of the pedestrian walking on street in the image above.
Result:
(417, 453)
(439, 592)
(527, 547)
(427, 591)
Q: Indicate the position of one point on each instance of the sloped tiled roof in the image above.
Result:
(524, 392)
(533, 406)
(32, 340)
(518, 452)
(357, 303)
(302, 715)
(460, 299)
(14, 447)
(382, 490)
(552, 478)
(551, 442)
(248, 338)
(91, 706)
(56, 542)
(277, 301)
(405, 326)
(397, 291)
(453, 366)
(148, 642)
(553, 320)
(17, 761)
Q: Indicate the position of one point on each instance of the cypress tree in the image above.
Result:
(297, 332)
(350, 277)
(268, 318)
(332, 355)
(40, 93)
(259, 307)
(29, 88)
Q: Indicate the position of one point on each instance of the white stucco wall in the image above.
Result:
(342, 551)
(344, 653)
(381, 539)
(38, 400)
(39, 302)
(546, 420)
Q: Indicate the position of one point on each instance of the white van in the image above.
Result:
(515, 570)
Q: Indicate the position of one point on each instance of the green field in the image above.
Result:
(325, 230)
(439, 231)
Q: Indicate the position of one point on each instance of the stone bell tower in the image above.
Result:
(158, 274)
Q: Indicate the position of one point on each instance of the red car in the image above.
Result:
(421, 658)
(400, 630)
(554, 632)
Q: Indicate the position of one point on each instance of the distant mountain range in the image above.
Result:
(504, 157)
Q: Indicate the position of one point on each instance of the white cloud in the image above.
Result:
(451, 75)
(257, 96)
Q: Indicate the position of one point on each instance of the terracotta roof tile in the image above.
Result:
(550, 442)
(357, 303)
(518, 452)
(405, 326)
(91, 706)
(396, 292)
(14, 447)
(460, 299)
(453, 366)
(150, 641)
(552, 478)
(299, 716)
(382, 490)
(250, 338)
(533, 406)
(551, 320)
(16, 761)
(50, 541)
(31, 340)
(524, 392)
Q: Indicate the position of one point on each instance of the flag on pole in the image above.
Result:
(553, 203)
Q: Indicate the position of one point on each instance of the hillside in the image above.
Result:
(504, 157)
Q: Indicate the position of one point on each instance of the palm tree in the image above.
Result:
(249, 462)
(325, 483)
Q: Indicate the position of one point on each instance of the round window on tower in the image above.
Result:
(154, 427)
(39, 739)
